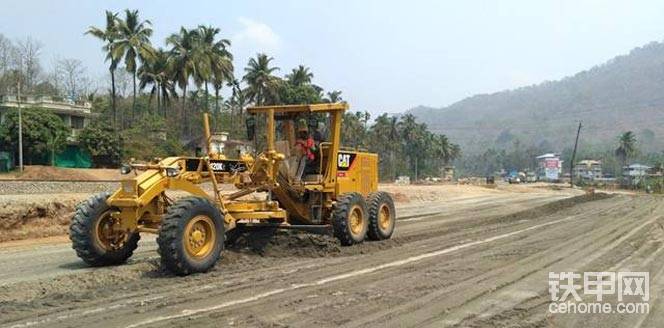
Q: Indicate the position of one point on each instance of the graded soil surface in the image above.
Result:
(466, 257)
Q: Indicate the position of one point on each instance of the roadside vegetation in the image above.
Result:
(152, 102)
(517, 155)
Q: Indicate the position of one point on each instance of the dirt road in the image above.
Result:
(477, 260)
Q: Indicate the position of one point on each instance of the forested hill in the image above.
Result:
(625, 93)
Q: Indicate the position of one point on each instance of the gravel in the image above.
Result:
(54, 187)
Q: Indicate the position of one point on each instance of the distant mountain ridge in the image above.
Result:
(625, 93)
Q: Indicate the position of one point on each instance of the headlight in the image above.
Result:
(172, 172)
(125, 169)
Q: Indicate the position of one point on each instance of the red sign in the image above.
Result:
(552, 163)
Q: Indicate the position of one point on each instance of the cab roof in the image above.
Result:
(326, 107)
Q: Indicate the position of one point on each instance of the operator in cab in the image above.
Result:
(306, 149)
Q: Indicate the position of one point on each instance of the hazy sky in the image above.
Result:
(383, 55)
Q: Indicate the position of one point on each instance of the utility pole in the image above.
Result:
(571, 164)
(20, 127)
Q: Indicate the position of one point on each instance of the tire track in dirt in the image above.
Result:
(589, 244)
(151, 266)
(414, 310)
(504, 305)
(342, 277)
(236, 282)
(330, 310)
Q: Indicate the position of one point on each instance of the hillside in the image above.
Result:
(625, 93)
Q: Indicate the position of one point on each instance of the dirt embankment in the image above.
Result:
(41, 172)
(23, 220)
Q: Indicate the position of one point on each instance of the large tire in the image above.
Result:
(88, 239)
(191, 236)
(350, 219)
(382, 216)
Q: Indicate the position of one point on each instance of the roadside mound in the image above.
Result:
(32, 220)
(42, 172)
(552, 207)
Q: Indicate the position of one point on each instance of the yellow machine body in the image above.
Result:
(301, 179)
(142, 200)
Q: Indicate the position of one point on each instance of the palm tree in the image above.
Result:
(182, 63)
(237, 99)
(393, 136)
(261, 84)
(334, 96)
(157, 75)
(133, 43)
(108, 35)
(300, 76)
(444, 150)
(454, 152)
(626, 146)
(411, 134)
(216, 64)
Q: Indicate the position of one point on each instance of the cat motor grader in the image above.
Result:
(336, 193)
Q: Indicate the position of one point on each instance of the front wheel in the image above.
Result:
(349, 219)
(191, 236)
(93, 237)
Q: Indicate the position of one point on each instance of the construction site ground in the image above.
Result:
(461, 256)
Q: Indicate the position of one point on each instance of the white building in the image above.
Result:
(588, 169)
(75, 115)
(549, 167)
(635, 173)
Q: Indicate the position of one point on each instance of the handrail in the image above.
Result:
(320, 150)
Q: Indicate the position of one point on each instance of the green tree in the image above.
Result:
(103, 142)
(353, 133)
(182, 63)
(150, 138)
(44, 133)
(236, 104)
(413, 139)
(333, 97)
(290, 94)
(216, 62)
(108, 35)
(133, 43)
(262, 85)
(300, 76)
(626, 147)
(383, 138)
(157, 75)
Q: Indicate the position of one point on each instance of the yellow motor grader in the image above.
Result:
(295, 186)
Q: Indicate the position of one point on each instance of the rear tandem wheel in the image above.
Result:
(350, 219)
(382, 216)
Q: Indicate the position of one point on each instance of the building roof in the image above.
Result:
(55, 104)
(548, 155)
(637, 166)
(589, 162)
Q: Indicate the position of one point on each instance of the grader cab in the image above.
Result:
(302, 179)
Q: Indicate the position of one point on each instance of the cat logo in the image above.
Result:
(344, 161)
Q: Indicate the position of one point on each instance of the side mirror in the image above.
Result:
(250, 123)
